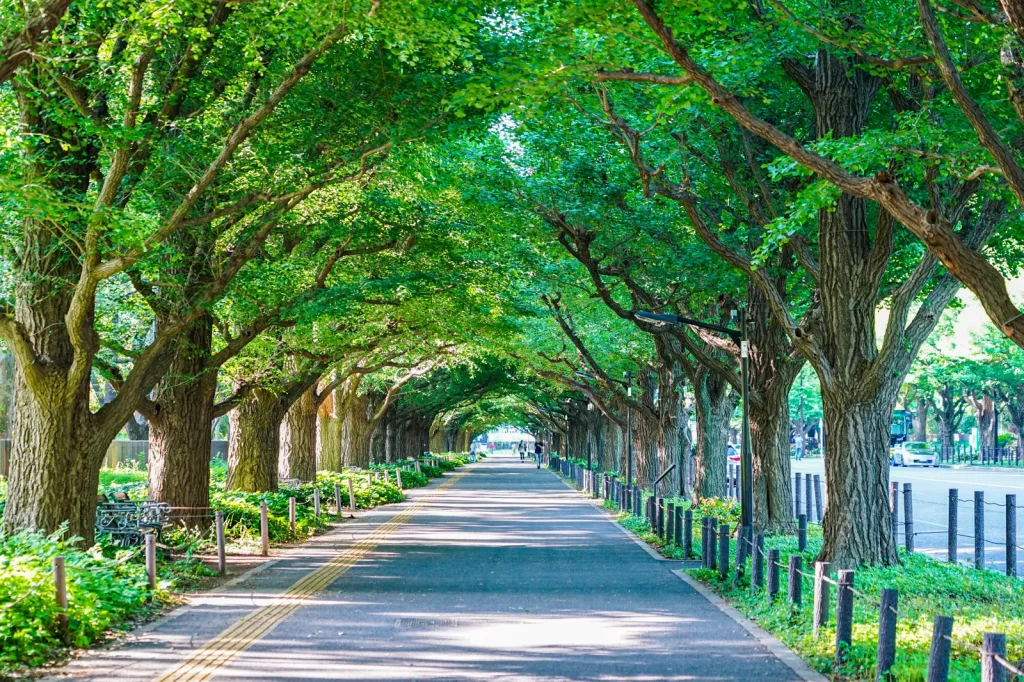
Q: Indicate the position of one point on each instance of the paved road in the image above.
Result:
(930, 488)
(504, 574)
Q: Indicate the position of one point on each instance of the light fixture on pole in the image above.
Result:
(739, 336)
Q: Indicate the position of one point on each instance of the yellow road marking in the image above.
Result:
(207, 661)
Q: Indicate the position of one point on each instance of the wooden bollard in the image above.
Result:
(337, 499)
(938, 656)
(723, 551)
(979, 529)
(712, 543)
(222, 563)
(773, 573)
(316, 502)
(398, 478)
(417, 465)
(951, 527)
(757, 559)
(688, 534)
(894, 510)
(993, 645)
(844, 615)
(264, 529)
(659, 505)
(821, 596)
(819, 507)
(351, 495)
(801, 530)
(797, 496)
(886, 655)
(1011, 535)
(677, 525)
(291, 514)
(387, 476)
(807, 496)
(670, 517)
(705, 554)
(908, 518)
(796, 582)
(151, 560)
(60, 591)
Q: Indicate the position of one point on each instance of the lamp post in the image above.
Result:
(739, 336)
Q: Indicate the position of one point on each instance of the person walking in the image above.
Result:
(798, 445)
(522, 450)
(538, 450)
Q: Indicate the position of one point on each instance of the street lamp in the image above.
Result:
(590, 408)
(739, 336)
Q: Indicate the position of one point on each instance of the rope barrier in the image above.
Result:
(31, 590)
(976, 649)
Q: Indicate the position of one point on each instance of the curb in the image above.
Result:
(774, 645)
(766, 639)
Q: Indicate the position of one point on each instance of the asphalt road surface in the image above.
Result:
(498, 573)
(930, 496)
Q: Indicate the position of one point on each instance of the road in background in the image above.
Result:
(930, 488)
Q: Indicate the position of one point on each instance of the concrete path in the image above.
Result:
(499, 573)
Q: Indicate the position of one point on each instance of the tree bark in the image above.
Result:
(298, 439)
(356, 430)
(921, 419)
(858, 525)
(180, 419)
(984, 414)
(254, 448)
(714, 404)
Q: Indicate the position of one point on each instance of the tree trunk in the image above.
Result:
(137, 427)
(769, 441)
(253, 450)
(668, 454)
(921, 420)
(328, 455)
(611, 451)
(356, 430)
(858, 524)
(984, 414)
(179, 439)
(714, 403)
(298, 439)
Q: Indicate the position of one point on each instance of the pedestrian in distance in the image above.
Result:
(522, 450)
(798, 445)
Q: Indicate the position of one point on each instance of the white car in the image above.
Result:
(913, 452)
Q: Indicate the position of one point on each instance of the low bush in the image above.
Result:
(103, 593)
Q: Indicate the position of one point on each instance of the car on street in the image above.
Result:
(733, 453)
(917, 453)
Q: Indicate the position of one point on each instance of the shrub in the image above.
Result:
(103, 593)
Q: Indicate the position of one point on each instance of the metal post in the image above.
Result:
(908, 518)
(979, 529)
(818, 506)
(705, 555)
(821, 596)
(894, 509)
(1011, 535)
(746, 459)
(723, 551)
(629, 429)
(712, 543)
(844, 615)
(886, 655)
(670, 517)
(938, 657)
(222, 563)
(660, 506)
(807, 496)
(264, 529)
(951, 531)
(802, 532)
(60, 589)
(797, 495)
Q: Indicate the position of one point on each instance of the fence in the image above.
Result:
(963, 453)
(120, 453)
(673, 524)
